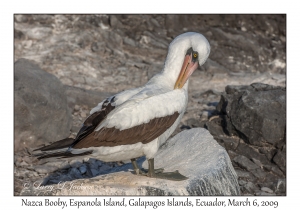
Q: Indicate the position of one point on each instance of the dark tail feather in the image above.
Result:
(64, 154)
(64, 143)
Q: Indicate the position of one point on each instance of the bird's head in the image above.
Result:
(186, 52)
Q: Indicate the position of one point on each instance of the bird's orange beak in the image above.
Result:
(187, 69)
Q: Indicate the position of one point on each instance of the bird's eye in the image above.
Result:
(195, 55)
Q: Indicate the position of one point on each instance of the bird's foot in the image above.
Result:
(145, 172)
(142, 171)
(157, 173)
(174, 176)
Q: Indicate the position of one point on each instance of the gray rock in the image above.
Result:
(79, 96)
(41, 113)
(264, 194)
(280, 159)
(274, 169)
(260, 174)
(45, 169)
(257, 162)
(245, 163)
(249, 187)
(280, 186)
(193, 123)
(250, 152)
(201, 159)
(266, 189)
(76, 163)
(242, 182)
(83, 169)
(257, 112)
(74, 173)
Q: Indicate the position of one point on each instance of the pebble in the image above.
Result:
(257, 162)
(266, 189)
(27, 159)
(74, 173)
(105, 167)
(242, 182)
(260, 193)
(83, 114)
(94, 172)
(77, 107)
(45, 169)
(82, 169)
(76, 163)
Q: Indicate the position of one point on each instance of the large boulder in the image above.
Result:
(251, 127)
(41, 112)
(193, 152)
(256, 113)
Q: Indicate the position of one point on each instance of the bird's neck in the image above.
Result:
(171, 70)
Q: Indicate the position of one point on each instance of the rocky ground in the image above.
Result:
(96, 55)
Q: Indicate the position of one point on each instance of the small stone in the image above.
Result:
(83, 114)
(244, 174)
(77, 107)
(27, 159)
(64, 165)
(280, 186)
(105, 167)
(82, 169)
(274, 169)
(245, 163)
(242, 182)
(100, 163)
(94, 172)
(23, 163)
(259, 173)
(193, 123)
(257, 162)
(76, 163)
(75, 173)
(266, 189)
(250, 187)
(45, 169)
(260, 193)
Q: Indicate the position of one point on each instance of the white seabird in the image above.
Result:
(136, 122)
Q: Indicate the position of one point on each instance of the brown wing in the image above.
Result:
(141, 133)
(93, 120)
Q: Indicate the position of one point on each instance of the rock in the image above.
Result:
(193, 123)
(78, 96)
(215, 126)
(257, 112)
(242, 182)
(280, 159)
(201, 159)
(274, 169)
(74, 173)
(260, 174)
(257, 162)
(264, 194)
(245, 163)
(76, 163)
(45, 169)
(280, 186)
(41, 112)
(83, 169)
(249, 187)
(266, 189)
(250, 152)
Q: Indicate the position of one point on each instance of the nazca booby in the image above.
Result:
(136, 122)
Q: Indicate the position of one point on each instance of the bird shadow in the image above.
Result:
(68, 175)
